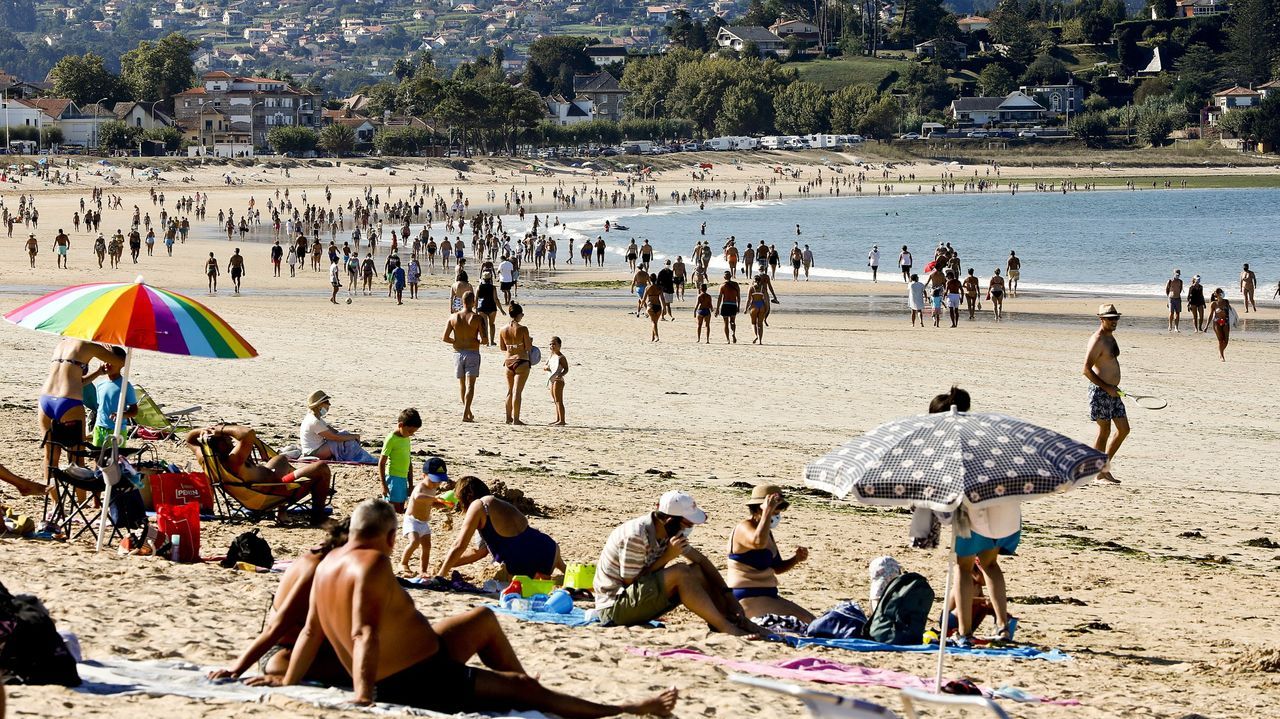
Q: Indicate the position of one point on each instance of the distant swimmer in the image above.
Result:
(1014, 266)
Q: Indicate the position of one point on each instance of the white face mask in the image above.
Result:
(774, 521)
(686, 532)
(322, 411)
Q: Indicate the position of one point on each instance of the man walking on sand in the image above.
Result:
(465, 332)
(1248, 283)
(873, 261)
(1106, 407)
(395, 655)
(904, 261)
(1013, 270)
(1173, 290)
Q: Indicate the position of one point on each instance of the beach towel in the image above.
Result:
(812, 669)
(168, 678)
(866, 645)
(575, 618)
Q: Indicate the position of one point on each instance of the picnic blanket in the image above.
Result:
(170, 678)
(866, 645)
(813, 669)
(575, 618)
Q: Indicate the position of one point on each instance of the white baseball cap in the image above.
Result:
(679, 504)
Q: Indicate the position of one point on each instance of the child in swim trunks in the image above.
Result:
(394, 466)
(417, 518)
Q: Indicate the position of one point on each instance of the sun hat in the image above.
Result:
(435, 469)
(761, 492)
(317, 398)
(679, 504)
(1108, 311)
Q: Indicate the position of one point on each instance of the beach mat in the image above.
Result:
(866, 645)
(116, 676)
(576, 618)
(825, 671)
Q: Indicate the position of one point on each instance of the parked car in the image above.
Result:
(911, 136)
(979, 134)
(1027, 134)
(692, 147)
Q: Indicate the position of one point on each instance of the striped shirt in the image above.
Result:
(631, 547)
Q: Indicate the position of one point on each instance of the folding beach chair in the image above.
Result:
(912, 697)
(820, 704)
(238, 498)
(70, 508)
(154, 422)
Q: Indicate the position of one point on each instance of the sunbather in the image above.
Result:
(319, 439)
(504, 533)
(754, 560)
(233, 445)
(288, 614)
(395, 655)
(25, 487)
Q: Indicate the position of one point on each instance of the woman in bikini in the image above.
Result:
(971, 289)
(273, 647)
(1196, 304)
(758, 304)
(558, 366)
(516, 342)
(1220, 320)
(62, 396)
(995, 293)
(505, 535)
(652, 301)
(754, 560)
(702, 311)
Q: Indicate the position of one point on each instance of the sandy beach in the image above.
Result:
(1153, 586)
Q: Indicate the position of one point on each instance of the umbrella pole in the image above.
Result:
(946, 615)
(115, 440)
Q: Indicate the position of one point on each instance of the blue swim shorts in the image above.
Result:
(397, 489)
(976, 544)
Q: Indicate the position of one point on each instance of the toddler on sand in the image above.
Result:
(417, 516)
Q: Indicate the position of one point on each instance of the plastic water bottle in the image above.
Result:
(538, 603)
(175, 540)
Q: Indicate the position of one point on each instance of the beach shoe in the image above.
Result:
(963, 687)
(960, 642)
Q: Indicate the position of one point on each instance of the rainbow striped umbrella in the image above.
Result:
(133, 315)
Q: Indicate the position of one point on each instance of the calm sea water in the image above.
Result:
(1125, 242)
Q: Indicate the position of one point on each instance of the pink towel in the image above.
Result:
(813, 669)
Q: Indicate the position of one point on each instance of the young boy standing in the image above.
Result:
(417, 520)
(394, 468)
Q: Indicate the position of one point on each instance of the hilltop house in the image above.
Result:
(602, 54)
(803, 31)
(1233, 98)
(973, 23)
(259, 104)
(735, 38)
(1014, 108)
(564, 112)
(604, 93)
(930, 48)
(1199, 8)
(1059, 98)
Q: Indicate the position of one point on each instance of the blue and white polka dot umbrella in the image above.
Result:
(944, 460)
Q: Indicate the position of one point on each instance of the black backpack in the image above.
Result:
(251, 548)
(31, 650)
(902, 612)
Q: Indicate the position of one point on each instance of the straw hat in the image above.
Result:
(761, 492)
(1108, 311)
(317, 398)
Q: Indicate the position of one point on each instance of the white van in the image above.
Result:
(746, 143)
(720, 144)
(771, 142)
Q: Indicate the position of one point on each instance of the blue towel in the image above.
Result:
(866, 645)
(575, 618)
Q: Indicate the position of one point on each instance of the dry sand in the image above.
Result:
(1153, 619)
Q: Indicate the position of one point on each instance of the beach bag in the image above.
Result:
(180, 488)
(31, 650)
(182, 520)
(251, 548)
(127, 510)
(845, 621)
(903, 610)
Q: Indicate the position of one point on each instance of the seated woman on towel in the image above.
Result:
(317, 438)
(754, 560)
(504, 533)
(285, 619)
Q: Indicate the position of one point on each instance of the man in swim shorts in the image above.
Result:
(233, 446)
(395, 655)
(465, 332)
(727, 306)
(1102, 369)
(904, 261)
(1173, 290)
(1013, 270)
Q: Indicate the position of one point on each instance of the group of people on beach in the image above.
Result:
(943, 284)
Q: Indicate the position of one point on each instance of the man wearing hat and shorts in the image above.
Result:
(1106, 407)
(638, 578)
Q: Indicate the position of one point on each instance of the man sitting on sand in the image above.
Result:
(233, 445)
(636, 580)
(395, 655)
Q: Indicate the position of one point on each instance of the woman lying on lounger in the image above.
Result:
(504, 533)
(274, 646)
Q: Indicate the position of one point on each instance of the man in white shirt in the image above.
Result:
(904, 261)
(638, 580)
(506, 272)
(873, 261)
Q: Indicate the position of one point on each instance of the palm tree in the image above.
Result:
(338, 139)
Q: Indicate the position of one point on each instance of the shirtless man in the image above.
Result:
(702, 312)
(1173, 290)
(954, 287)
(727, 306)
(465, 332)
(233, 445)
(806, 258)
(61, 245)
(1102, 369)
(731, 256)
(639, 282)
(1014, 267)
(1248, 283)
(797, 258)
(235, 268)
(460, 287)
(395, 655)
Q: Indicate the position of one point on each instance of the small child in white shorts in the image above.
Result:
(417, 515)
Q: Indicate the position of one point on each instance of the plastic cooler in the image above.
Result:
(579, 576)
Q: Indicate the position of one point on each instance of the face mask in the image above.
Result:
(774, 521)
(686, 532)
(322, 411)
